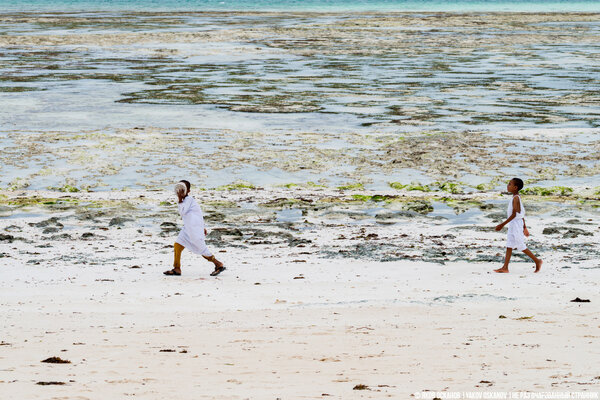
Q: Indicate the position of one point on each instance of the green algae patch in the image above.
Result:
(484, 187)
(414, 186)
(449, 187)
(376, 198)
(19, 202)
(65, 188)
(307, 185)
(548, 191)
(351, 186)
(237, 186)
(221, 204)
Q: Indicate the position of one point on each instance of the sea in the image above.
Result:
(303, 5)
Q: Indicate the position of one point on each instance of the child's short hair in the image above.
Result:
(187, 184)
(518, 183)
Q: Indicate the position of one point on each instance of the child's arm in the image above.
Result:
(516, 209)
(525, 231)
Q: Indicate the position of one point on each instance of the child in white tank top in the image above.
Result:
(516, 226)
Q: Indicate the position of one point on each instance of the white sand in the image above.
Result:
(398, 327)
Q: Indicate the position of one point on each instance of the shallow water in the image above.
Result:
(278, 98)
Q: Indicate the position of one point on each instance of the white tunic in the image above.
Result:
(516, 238)
(192, 235)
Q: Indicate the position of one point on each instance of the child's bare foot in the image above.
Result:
(173, 272)
(502, 270)
(538, 266)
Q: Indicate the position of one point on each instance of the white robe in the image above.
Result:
(192, 235)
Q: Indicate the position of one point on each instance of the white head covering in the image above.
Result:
(180, 189)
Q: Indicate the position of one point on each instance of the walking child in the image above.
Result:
(517, 230)
(193, 233)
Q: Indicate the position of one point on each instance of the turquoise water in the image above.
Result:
(302, 5)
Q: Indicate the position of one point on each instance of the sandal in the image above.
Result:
(172, 272)
(217, 271)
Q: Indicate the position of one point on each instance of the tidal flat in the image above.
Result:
(108, 100)
(391, 226)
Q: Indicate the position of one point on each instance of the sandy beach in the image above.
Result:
(350, 166)
(288, 319)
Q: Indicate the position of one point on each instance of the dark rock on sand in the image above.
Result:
(167, 228)
(551, 231)
(6, 238)
(568, 233)
(51, 229)
(13, 228)
(219, 233)
(385, 216)
(578, 300)
(56, 360)
(419, 206)
(261, 237)
(119, 221)
(9, 238)
(91, 215)
(62, 236)
(46, 383)
(214, 217)
(49, 222)
(572, 233)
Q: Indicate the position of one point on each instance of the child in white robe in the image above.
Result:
(516, 227)
(193, 233)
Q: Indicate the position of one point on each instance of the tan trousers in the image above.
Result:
(177, 256)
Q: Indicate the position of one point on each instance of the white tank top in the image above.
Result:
(520, 215)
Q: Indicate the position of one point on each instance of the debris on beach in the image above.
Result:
(56, 360)
(579, 300)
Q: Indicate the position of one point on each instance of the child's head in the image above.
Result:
(187, 185)
(514, 185)
(181, 190)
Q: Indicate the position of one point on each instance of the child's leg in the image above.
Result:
(506, 261)
(537, 261)
(213, 259)
(177, 256)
